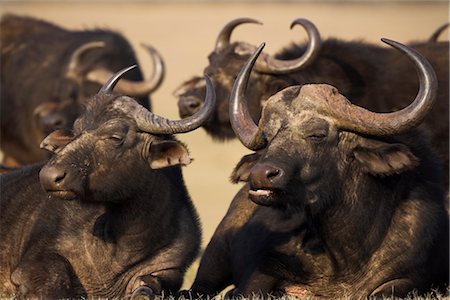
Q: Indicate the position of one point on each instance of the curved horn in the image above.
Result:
(73, 67)
(111, 83)
(149, 122)
(435, 36)
(363, 121)
(132, 88)
(241, 121)
(272, 65)
(224, 36)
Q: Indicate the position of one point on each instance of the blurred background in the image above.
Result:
(184, 32)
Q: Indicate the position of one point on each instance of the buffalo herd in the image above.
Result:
(344, 196)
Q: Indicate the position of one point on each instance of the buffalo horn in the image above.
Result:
(435, 36)
(241, 121)
(132, 88)
(363, 121)
(223, 39)
(73, 67)
(271, 65)
(151, 123)
(112, 81)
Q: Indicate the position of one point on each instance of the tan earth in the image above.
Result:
(185, 33)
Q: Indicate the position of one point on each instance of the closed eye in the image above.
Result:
(117, 138)
(317, 137)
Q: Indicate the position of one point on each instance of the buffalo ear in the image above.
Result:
(168, 153)
(243, 167)
(57, 140)
(386, 159)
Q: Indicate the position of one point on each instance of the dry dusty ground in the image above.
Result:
(185, 34)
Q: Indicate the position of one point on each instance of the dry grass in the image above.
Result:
(433, 295)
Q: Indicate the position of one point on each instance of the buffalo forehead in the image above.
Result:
(281, 101)
(189, 86)
(321, 99)
(100, 109)
(297, 106)
(243, 48)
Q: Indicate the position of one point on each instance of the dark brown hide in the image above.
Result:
(328, 211)
(37, 97)
(108, 214)
(374, 77)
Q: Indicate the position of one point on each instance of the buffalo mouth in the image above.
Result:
(62, 194)
(263, 196)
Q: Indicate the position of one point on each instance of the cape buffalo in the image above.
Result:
(374, 77)
(112, 216)
(345, 202)
(46, 73)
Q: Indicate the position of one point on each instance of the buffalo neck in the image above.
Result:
(356, 224)
(144, 219)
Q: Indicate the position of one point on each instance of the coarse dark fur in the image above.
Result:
(332, 213)
(372, 76)
(36, 96)
(109, 221)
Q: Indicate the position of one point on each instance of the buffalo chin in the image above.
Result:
(64, 195)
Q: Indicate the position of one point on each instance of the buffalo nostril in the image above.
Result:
(58, 123)
(52, 122)
(52, 178)
(59, 177)
(55, 122)
(190, 105)
(272, 173)
(194, 104)
(266, 176)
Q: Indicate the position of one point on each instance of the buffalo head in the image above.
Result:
(81, 79)
(310, 137)
(116, 140)
(224, 64)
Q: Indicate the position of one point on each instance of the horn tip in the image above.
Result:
(125, 70)
(147, 46)
(387, 41)
(300, 21)
(261, 46)
(251, 20)
(109, 85)
(258, 22)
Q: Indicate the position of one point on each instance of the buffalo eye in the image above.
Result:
(317, 137)
(117, 139)
(316, 130)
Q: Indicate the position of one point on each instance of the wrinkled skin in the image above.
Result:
(369, 75)
(332, 213)
(112, 215)
(36, 96)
